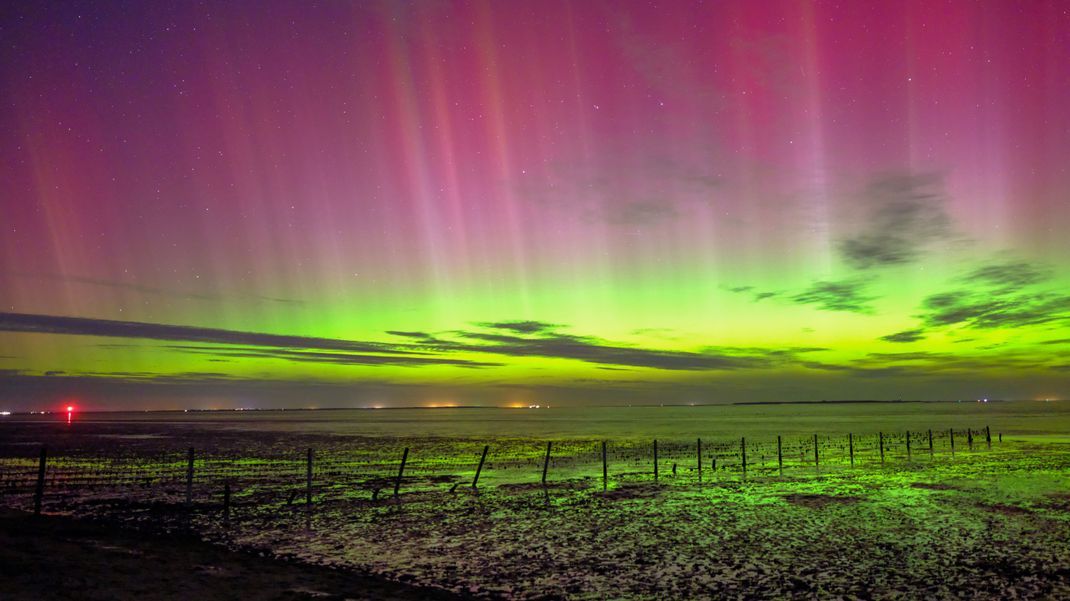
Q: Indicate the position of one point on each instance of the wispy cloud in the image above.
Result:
(1005, 294)
(504, 339)
(844, 295)
(300, 356)
(905, 212)
(83, 326)
(905, 336)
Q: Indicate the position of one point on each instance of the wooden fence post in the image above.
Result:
(743, 452)
(969, 438)
(698, 452)
(308, 479)
(779, 456)
(655, 460)
(988, 437)
(479, 469)
(401, 470)
(881, 435)
(226, 502)
(952, 432)
(189, 477)
(39, 490)
(817, 462)
(605, 467)
(851, 447)
(546, 462)
(930, 443)
(908, 445)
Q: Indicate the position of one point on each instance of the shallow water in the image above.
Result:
(1032, 418)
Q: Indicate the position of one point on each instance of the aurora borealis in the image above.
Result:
(350, 204)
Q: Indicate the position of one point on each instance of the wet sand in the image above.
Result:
(54, 557)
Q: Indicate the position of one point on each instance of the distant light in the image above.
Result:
(70, 408)
(5, 413)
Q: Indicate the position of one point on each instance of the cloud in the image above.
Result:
(408, 334)
(552, 344)
(503, 338)
(522, 327)
(987, 310)
(845, 295)
(1009, 276)
(905, 212)
(330, 358)
(83, 326)
(1002, 294)
(905, 336)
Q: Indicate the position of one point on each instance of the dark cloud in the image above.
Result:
(846, 295)
(420, 338)
(1058, 341)
(1005, 294)
(1009, 276)
(760, 296)
(522, 327)
(905, 212)
(52, 324)
(506, 338)
(905, 336)
(552, 344)
(329, 358)
(986, 310)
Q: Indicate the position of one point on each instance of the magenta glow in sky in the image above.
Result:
(494, 202)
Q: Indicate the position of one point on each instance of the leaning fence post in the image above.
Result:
(189, 477)
(930, 443)
(817, 462)
(851, 447)
(546, 462)
(480, 468)
(655, 460)
(952, 432)
(743, 453)
(308, 479)
(969, 438)
(988, 438)
(779, 456)
(908, 445)
(698, 452)
(881, 435)
(226, 503)
(401, 470)
(39, 491)
(605, 468)
(1001, 437)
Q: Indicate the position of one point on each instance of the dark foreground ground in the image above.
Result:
(54, 557)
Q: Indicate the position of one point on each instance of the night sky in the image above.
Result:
(410, 203)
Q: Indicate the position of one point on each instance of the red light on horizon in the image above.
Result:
(70, 408)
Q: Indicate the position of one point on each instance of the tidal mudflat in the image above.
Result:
(989, 520)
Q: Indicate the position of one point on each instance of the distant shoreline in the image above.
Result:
(728, 404)
(847, 402)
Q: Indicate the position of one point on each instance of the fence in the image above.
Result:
(393, 468)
